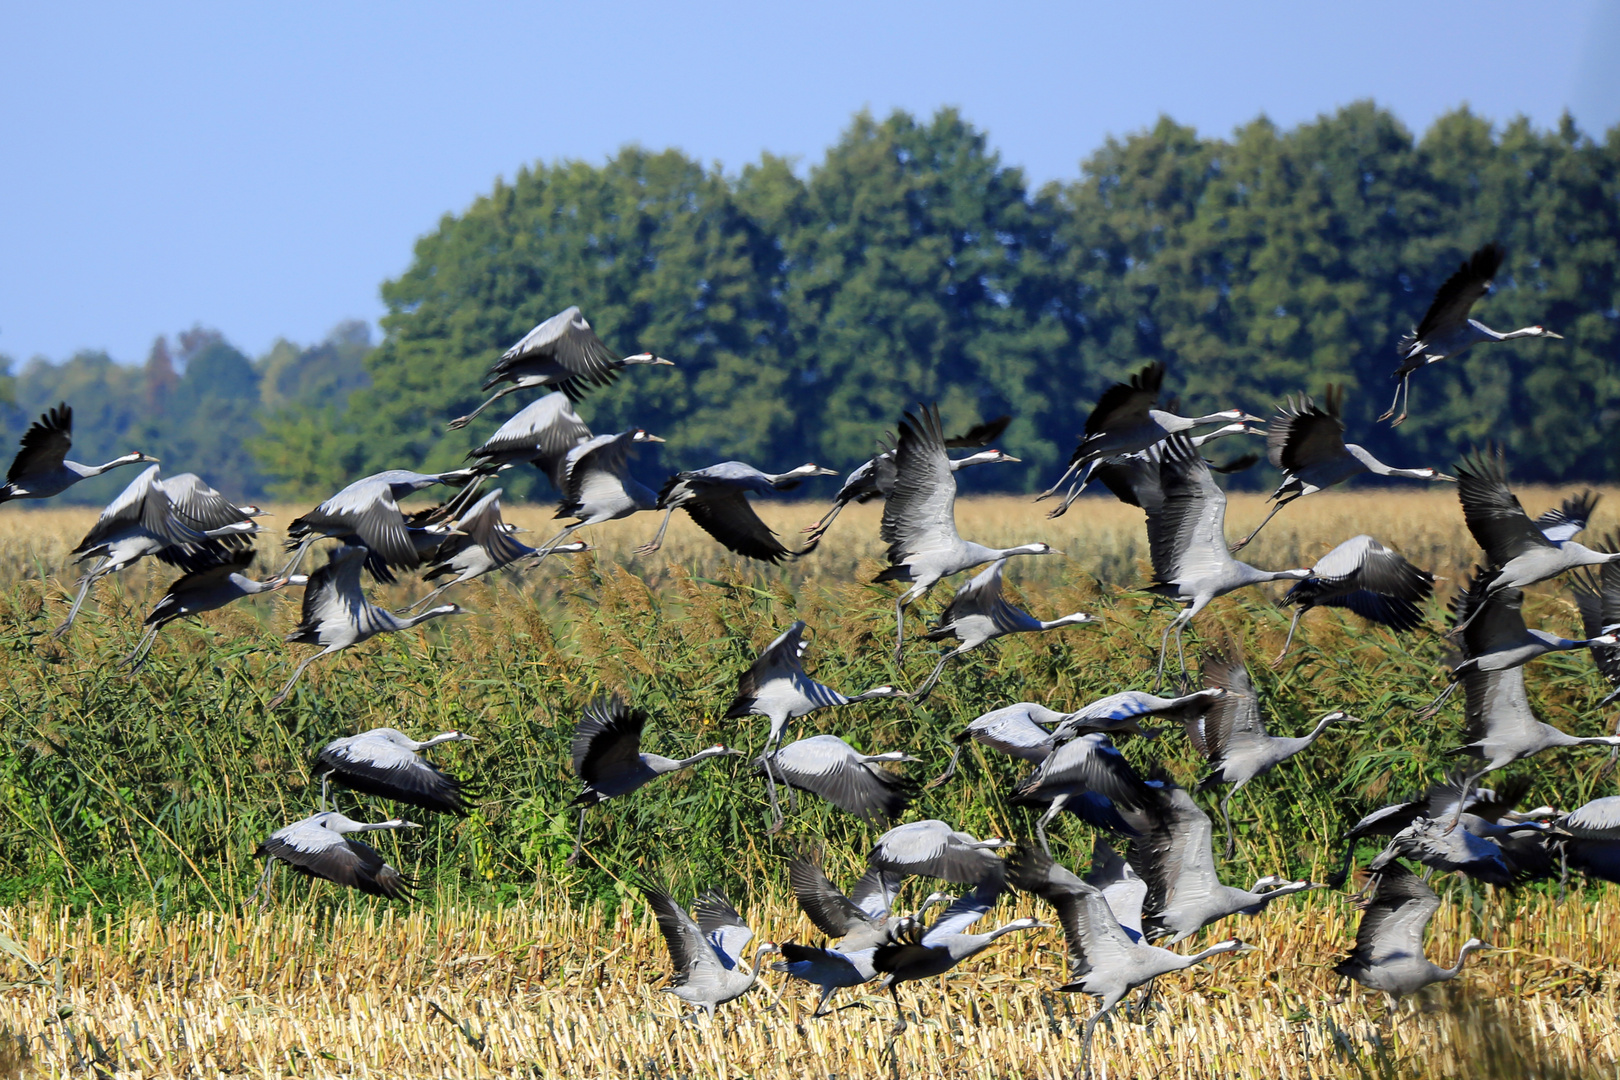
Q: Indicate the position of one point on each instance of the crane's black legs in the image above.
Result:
(1289, 640)
(137, 657)
(99, 571)
(1226, 802)
(928, 684)
(1401, 389)
(462, 421)
(657, 541)
(1176, 624)
(579, 840)
(1051, 812)
(899, 1013)
(546, 548)
(276, 701)
(950, 770)
(1243, 543)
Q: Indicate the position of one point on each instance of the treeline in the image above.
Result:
(198, 404)
(807, 309)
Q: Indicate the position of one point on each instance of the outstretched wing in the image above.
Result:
(45, 444)
(1462, 290)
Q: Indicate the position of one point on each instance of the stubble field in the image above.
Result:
(133, 944)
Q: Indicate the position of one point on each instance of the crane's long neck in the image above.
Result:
(1214, 950)
(448, 736)
(431, 613)
(753, 969)
(1022, 549)
(97, 470)
(1067, 620)
(1287, 888)
(1456, 969)
(1527, 331)
(701, 755)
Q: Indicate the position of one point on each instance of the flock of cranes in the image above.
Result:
(1117, 918)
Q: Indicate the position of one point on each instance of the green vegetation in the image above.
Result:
(806, 308)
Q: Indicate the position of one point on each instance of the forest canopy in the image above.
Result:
(807, 307)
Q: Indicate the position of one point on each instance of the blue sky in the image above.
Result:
(263, 168)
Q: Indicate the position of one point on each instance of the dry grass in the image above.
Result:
(536, 990)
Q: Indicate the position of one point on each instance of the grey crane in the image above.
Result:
(336, 613)
(1134, 478)
(1446, 329)
(1176, 860)
(1187, 543)
(41, 469)
(1444, 800)
(932, 848)
(207, 589)
(366, 513)
(874, 478)
(1232, 737)
(775, 686)
(856, 783)
(1502, 728)
(607, 756)
(1024, 730)
(563, 352)
(979, 613)
(1468, 848)
(322, 845)
(828, 969)
(1588, 838)
(921, 954)
(1494, 637)
(1121, 713)
(1565, 522)
(1104, 960)
(1121, 886)
(1306, 442)
(387, 763)
(597, 486)
(859, 924)
(860, 920)
(919, 519)
(542, 433)
(1126, 420)
(1517, 552)
(1088, 776)
(706, 949)
(481, 543)
(1369, 579)
(180, 521)
(716, 499)
(1388, 953)
(1598, 599)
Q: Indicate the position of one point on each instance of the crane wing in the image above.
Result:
(1093, 933)
(1393, 922)
(1495, 706)
(920, 513)
(1234, 716)
(1187, 534)
(607, 740)
(45, 444)
(1491, 510)
(567, 341)
(724, 928)
(689, 949)
(1303, 434)
(1565, 522)
(1461, 291)
(979, 435)
(833, 913)
(728, 516)
(1598, 598)
(1126, 404)
(868, 792)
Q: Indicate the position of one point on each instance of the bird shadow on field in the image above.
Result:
(1463, 1037)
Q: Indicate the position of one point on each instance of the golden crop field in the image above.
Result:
(307, 981)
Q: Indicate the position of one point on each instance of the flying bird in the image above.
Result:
(1446, 329)
(1369, 579)
(337, 614)
(1232, 737)
(1127, 420)
(207, 589)
(1306, 441)
(597, 486)
(41, 469)
(607, 756)
(563, 352)
(322, 846)
(856, 783)
(1105, 961)
(1187, 543)
(919, 519)
(1089, 777)
(875, 477)
(1388, 953)
(387, 763)
(541, 433)
(716, 499)
(706, 949)
(366, 514)
(932, 848)
(979, 613)
(481, 543)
